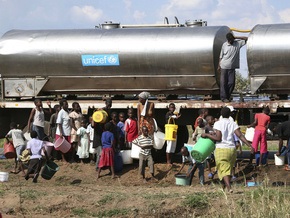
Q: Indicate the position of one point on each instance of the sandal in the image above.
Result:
(14, 172)
(287, 168)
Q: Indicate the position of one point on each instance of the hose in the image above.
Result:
(241, 31)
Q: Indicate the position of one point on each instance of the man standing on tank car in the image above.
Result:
(229, 61)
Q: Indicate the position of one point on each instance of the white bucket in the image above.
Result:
(4, 176)
(126, 156)
(158, 140)
(250, 132)
(135, 151)
(27, 136)
(279, 160)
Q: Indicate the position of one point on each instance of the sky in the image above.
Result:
(79, 14)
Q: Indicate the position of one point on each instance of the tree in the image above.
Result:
(242, 83)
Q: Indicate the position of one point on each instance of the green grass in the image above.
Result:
(81, 212)
(30, 194)
(114, 212)
(106, 199)
(159, 196)
(2, 142)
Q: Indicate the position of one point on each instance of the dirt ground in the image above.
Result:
(74, 192)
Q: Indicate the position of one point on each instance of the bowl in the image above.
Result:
(181, 179)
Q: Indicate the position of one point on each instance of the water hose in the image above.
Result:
(241, 31)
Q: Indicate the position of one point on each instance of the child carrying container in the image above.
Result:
(35, 146)
(170, 116)
(18, 140)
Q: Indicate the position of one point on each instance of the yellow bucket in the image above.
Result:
(170, 131)
(100, 116)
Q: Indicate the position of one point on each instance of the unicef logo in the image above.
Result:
(100, 60)
(112, 59)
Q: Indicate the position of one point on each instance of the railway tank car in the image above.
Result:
(111, 60)
(268, 56)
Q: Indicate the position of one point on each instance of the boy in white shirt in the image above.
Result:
(35, 146)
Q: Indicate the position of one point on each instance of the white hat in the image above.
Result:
(231, 108)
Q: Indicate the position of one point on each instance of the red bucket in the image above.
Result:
(62, 144)
(9, 150)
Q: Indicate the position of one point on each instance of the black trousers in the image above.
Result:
(227, 83)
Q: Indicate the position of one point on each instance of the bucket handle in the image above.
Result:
(170, 119)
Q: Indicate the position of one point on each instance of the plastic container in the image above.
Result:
(251, 183)
(62, 144)
(27, 136)
(4, 176)
(181, 179)
(100, 116)
(159, 140)
(189, 147)
(279, 160)
(9, 150)
(48, 147)
(202, 149)
(49, 169)
(118, 162)
(135, 150)
(126, 156)
(250, 132)
(170, 131)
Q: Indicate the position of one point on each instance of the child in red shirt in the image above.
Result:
(261, 123)
(130, 128)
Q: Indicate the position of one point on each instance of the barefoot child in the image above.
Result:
(209, 129)
(108, 149)
(261, 123)
(76, 117)
(170, 118)
(121, 125)
(34, 146)
(19, 145)
(145, 142)
(131, 128)
(83, 142)
(92, 150)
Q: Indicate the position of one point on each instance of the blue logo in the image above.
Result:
(100, 60)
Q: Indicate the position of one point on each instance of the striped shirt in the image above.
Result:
(143, 141)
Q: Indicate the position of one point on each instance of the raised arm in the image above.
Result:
(30, 119)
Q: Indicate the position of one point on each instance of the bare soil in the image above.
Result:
(74, 191)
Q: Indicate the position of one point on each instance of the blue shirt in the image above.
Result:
(107, 139)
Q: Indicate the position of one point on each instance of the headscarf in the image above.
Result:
(144, 95)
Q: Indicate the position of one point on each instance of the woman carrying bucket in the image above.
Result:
(145, 113)
(225, 152)
(64, 124)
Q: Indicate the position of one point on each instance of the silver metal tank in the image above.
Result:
(114, 60)
(268, 55)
